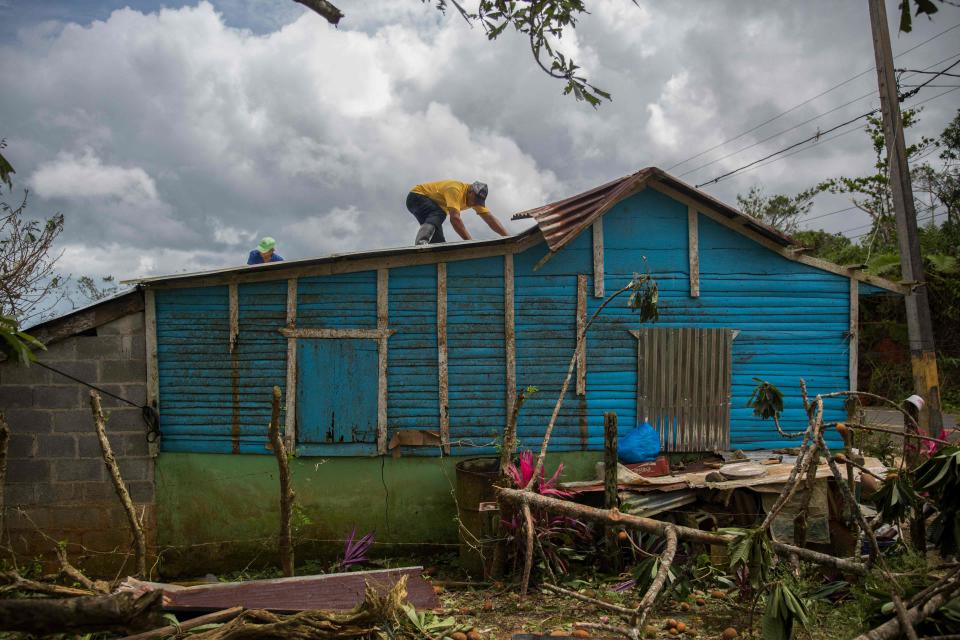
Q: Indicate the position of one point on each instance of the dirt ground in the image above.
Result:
(499, 614)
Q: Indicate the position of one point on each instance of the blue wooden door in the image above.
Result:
(337, 392)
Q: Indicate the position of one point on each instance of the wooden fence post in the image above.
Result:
(610, 485)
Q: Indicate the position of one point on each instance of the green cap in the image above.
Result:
(266, 244)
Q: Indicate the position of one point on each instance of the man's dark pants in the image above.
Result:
(426, 211)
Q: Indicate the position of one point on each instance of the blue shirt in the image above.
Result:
(256, 258)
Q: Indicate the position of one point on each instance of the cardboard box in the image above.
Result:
(653, 469)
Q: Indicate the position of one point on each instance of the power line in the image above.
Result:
(808, 101)
(820, 134)
(916, 90)
(952, 75)
(778, 134)
(817, 117)
(815, 136)
(931, 218)
(826, 215)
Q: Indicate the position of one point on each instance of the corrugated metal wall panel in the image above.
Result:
(683, 386)
(475, 350)
(342, 301)
(412, 397)
(207, 403)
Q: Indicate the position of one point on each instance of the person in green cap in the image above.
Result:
(265, 252)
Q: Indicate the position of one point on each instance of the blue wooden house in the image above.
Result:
(420, 350)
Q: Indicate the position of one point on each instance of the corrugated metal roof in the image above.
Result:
(559, 222)
(563, 220)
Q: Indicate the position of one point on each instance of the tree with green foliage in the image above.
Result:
(26, 270)
(872, 193)
(779, 211)
(937, 178)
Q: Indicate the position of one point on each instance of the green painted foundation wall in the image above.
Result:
(219, 512)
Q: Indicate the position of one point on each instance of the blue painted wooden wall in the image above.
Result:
(792, 320)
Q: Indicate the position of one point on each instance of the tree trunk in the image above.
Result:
(121, 612)
(286, 488)
(612, 559)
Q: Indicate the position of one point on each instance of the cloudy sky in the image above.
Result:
(172, 135)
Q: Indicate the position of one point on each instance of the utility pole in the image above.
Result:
(923, 357)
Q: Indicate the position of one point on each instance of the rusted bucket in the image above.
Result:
(477, 512)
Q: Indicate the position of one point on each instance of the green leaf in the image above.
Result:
(5, 170)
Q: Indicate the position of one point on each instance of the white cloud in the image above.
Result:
(232, 236)
(682, 109)
(70, 176)
(171, 140)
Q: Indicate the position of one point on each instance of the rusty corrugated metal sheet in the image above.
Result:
(562, 221)
(332, 592)
(684, 386)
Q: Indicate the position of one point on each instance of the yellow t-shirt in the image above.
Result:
(449, 194)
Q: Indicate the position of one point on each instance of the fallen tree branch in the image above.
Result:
(850, 500)
(840, 564)
(646, 604)
(15, 582)
(905, 625)
(362, 621)
(528, 556)
(903, 434)
(594, 601)
(140, 543)
(842, 459)
(892, 628)
(120, 612)
(67, 570)
(633, 634)
(177, 629)
(649, 525)
(286, 488)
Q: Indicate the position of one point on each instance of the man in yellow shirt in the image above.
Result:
(432, 202)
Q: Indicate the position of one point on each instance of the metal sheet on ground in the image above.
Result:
(333, 592)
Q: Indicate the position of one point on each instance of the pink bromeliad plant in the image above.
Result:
(559, 536)
(521, 475)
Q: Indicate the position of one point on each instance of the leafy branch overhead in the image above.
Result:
(542, 22)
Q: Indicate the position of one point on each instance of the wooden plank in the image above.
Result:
(153, 364)
(332, 592)
(727, 386)
(383, 297)
(290, 419)
(854, 344)
(234, 315)
(509, 333)
(443, 379)
(693, 248)
(598, 258)
(332, 334)
(737, 225)
(346, 264)
(581, 324)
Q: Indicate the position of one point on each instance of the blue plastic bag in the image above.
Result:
(640, 444)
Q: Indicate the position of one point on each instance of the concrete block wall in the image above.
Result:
(56, 477)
